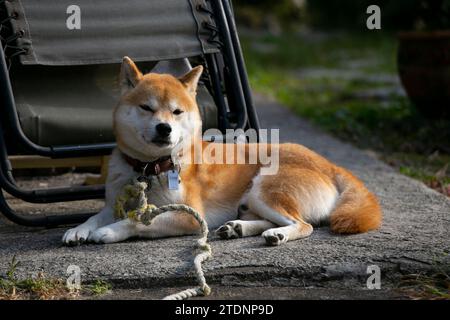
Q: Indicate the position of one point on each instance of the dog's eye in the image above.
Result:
(178, 112)
(145, 107)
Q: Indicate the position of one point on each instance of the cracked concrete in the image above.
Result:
(414, 236)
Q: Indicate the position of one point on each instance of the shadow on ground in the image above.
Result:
(414, 238)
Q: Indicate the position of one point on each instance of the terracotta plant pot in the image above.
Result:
(424, 68)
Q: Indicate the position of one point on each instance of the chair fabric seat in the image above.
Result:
(73, 105)
(106, 30)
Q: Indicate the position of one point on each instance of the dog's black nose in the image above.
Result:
(163, 129)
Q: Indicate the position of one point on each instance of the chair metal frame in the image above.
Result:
(232, 77)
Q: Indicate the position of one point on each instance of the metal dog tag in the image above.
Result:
(173, 179)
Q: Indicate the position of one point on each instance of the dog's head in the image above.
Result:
(157, 112)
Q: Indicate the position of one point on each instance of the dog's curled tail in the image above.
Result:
(357, 209)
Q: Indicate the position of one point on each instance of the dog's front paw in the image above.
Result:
(230, 230)
(274, 237)
(77, 235)
(104, 235)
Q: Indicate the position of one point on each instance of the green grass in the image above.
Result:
(99, 287)
(418, 147)
(43, 288)
(39, 287)
(431, 286)
(291, 50)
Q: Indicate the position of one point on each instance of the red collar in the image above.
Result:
(153, 168)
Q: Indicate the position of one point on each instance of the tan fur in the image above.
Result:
(307, 190)
(302, 172)
(358, 209)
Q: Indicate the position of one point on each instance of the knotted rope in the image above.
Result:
(133, 196)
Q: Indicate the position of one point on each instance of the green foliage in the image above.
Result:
(41, 287)
(433, 286)
(291, 51)
(255, 13)
(12, 268)
(398, 15)
(99, 287)
(350, 14)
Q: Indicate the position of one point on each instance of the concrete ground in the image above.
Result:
(414, 238)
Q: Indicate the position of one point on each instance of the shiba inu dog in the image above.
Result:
(156, 114)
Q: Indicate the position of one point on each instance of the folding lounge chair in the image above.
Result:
(58, 83)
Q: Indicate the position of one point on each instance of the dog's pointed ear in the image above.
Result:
(190, 79)
(129, 75)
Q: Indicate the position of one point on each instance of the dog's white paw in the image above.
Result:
(105, 235)
(78, 235)
(274, 237)
(230, 230)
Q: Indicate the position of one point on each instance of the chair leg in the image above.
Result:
(41, 220)
(251, 112)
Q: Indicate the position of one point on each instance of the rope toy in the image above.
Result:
(133, 196)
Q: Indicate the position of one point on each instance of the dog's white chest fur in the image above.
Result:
(121, 173)
(159, 193)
